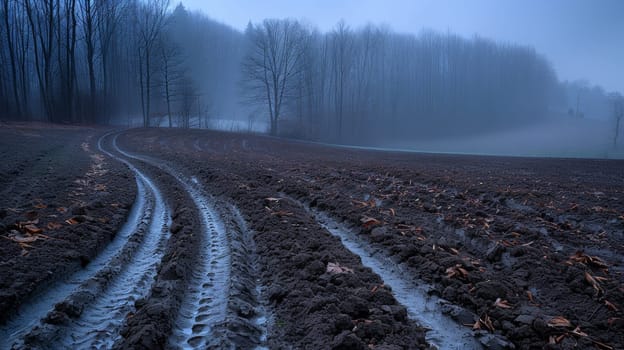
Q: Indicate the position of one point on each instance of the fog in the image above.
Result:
(488, 77)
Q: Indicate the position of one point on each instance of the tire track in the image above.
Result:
(99, 326)
(443, 332)
(220, 308)
(57, 311)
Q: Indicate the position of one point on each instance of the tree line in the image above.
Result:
(101, 61)
(94, 61)
(353, 85)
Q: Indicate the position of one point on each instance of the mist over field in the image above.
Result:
(297, 174)
(451, 78)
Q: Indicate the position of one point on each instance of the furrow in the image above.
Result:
(222, 308)
(91, 316)
(425, 309)
(99, 326)
(31, 313)
(205, 303)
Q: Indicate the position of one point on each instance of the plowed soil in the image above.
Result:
(527, 249)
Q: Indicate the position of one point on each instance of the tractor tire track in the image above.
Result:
(60, 310)
(425, 309)
(220, 308)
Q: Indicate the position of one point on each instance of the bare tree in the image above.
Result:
(9, 32)
(150, 24)
(618, 114)
(273, 63)
(42, 23)
(342, 44)
(89, 18)
(188, 100)
(109, 18)
(171, 71)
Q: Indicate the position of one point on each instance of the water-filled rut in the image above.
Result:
(212, 302)
(444, 333)
(94, 301)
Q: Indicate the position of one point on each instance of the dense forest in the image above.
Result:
(157, 64)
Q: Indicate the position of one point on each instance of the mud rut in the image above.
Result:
(220, 302)
(424, 309)
(90, 308)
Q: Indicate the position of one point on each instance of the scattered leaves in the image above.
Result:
(368, 222)
(559, 322)
(577, 331)
(456, 271)
(376, 288)
(32, 229)
(71, 221)
(585, 259)
(611, 306)
(484, 322)
(404, 227)
(594, 283)
(503, 304)
(334, 268)
(602, 345)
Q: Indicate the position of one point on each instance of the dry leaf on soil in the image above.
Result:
(559, 322)
(583, 258)
(32, 229)
(71, 221)
(611, 306)
(456, 271)
(482, 322)
(503, 304)
(577, 331)
(334, 268)
(367, 222)
(594, 283)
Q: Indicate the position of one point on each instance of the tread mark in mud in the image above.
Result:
(208, 314)
(444, 333)
(101, 278)
(205, 304)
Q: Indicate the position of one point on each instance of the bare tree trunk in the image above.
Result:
(10, 45)
(88, 27)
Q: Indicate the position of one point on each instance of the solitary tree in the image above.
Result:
(618, 114)
(172, 74)
(273, 63)
(188, 99)
(150, 25)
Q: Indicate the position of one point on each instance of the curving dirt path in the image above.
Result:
(527, 251)
(240, 241)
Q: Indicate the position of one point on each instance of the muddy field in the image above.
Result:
(154, 238)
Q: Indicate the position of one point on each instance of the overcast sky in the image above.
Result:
(584, 39)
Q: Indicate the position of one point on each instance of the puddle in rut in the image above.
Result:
(205, 303)
(99, 326)
(423, 308)
(31, 313)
